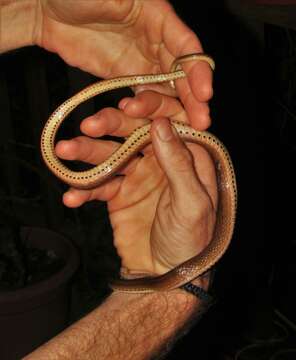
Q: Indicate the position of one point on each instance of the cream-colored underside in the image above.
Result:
(197, 265)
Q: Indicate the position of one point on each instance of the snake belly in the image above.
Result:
(88, 179)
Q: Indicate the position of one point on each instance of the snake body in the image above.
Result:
(88, 179)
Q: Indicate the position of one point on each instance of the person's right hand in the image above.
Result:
(111, 38)
(163, 209)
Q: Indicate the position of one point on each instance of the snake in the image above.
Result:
(227, 188)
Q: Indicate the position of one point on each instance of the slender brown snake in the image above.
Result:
(88, 179)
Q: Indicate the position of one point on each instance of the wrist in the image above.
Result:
(171, 301)
(197, 287)
(17, 20)
(203, 281)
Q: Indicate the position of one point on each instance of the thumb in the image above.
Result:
(176, 161)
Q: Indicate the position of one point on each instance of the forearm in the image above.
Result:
(126, 326)
(17, 23)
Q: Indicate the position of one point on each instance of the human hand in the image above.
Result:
(162, 210)
(114, 38)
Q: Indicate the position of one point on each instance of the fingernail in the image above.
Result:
(164, 130)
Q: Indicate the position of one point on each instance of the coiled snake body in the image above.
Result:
(88, 179)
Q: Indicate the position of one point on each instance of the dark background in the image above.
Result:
(253, 112)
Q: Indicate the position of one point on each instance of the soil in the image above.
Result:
(20, 265)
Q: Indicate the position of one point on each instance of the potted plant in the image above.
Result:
(36, 266)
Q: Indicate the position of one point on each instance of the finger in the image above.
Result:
(194, 94)
(198, 113)
(110, 121)
(164, 88)
(199, 79)
(180, 40)
(74, 197)
(85, 149)
(197, 87)
(92, 151)
(177, 163)
(205, 168)
(153, 105)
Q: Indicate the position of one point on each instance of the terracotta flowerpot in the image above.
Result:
(32, 315)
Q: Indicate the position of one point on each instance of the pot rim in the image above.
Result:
(47, 285)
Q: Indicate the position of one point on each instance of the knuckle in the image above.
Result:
(85, 149)
(82, 144)
(106, 112)
(206, 91)
(183, 161)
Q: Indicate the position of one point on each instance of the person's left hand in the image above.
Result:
(163, 209)
(114, 38)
